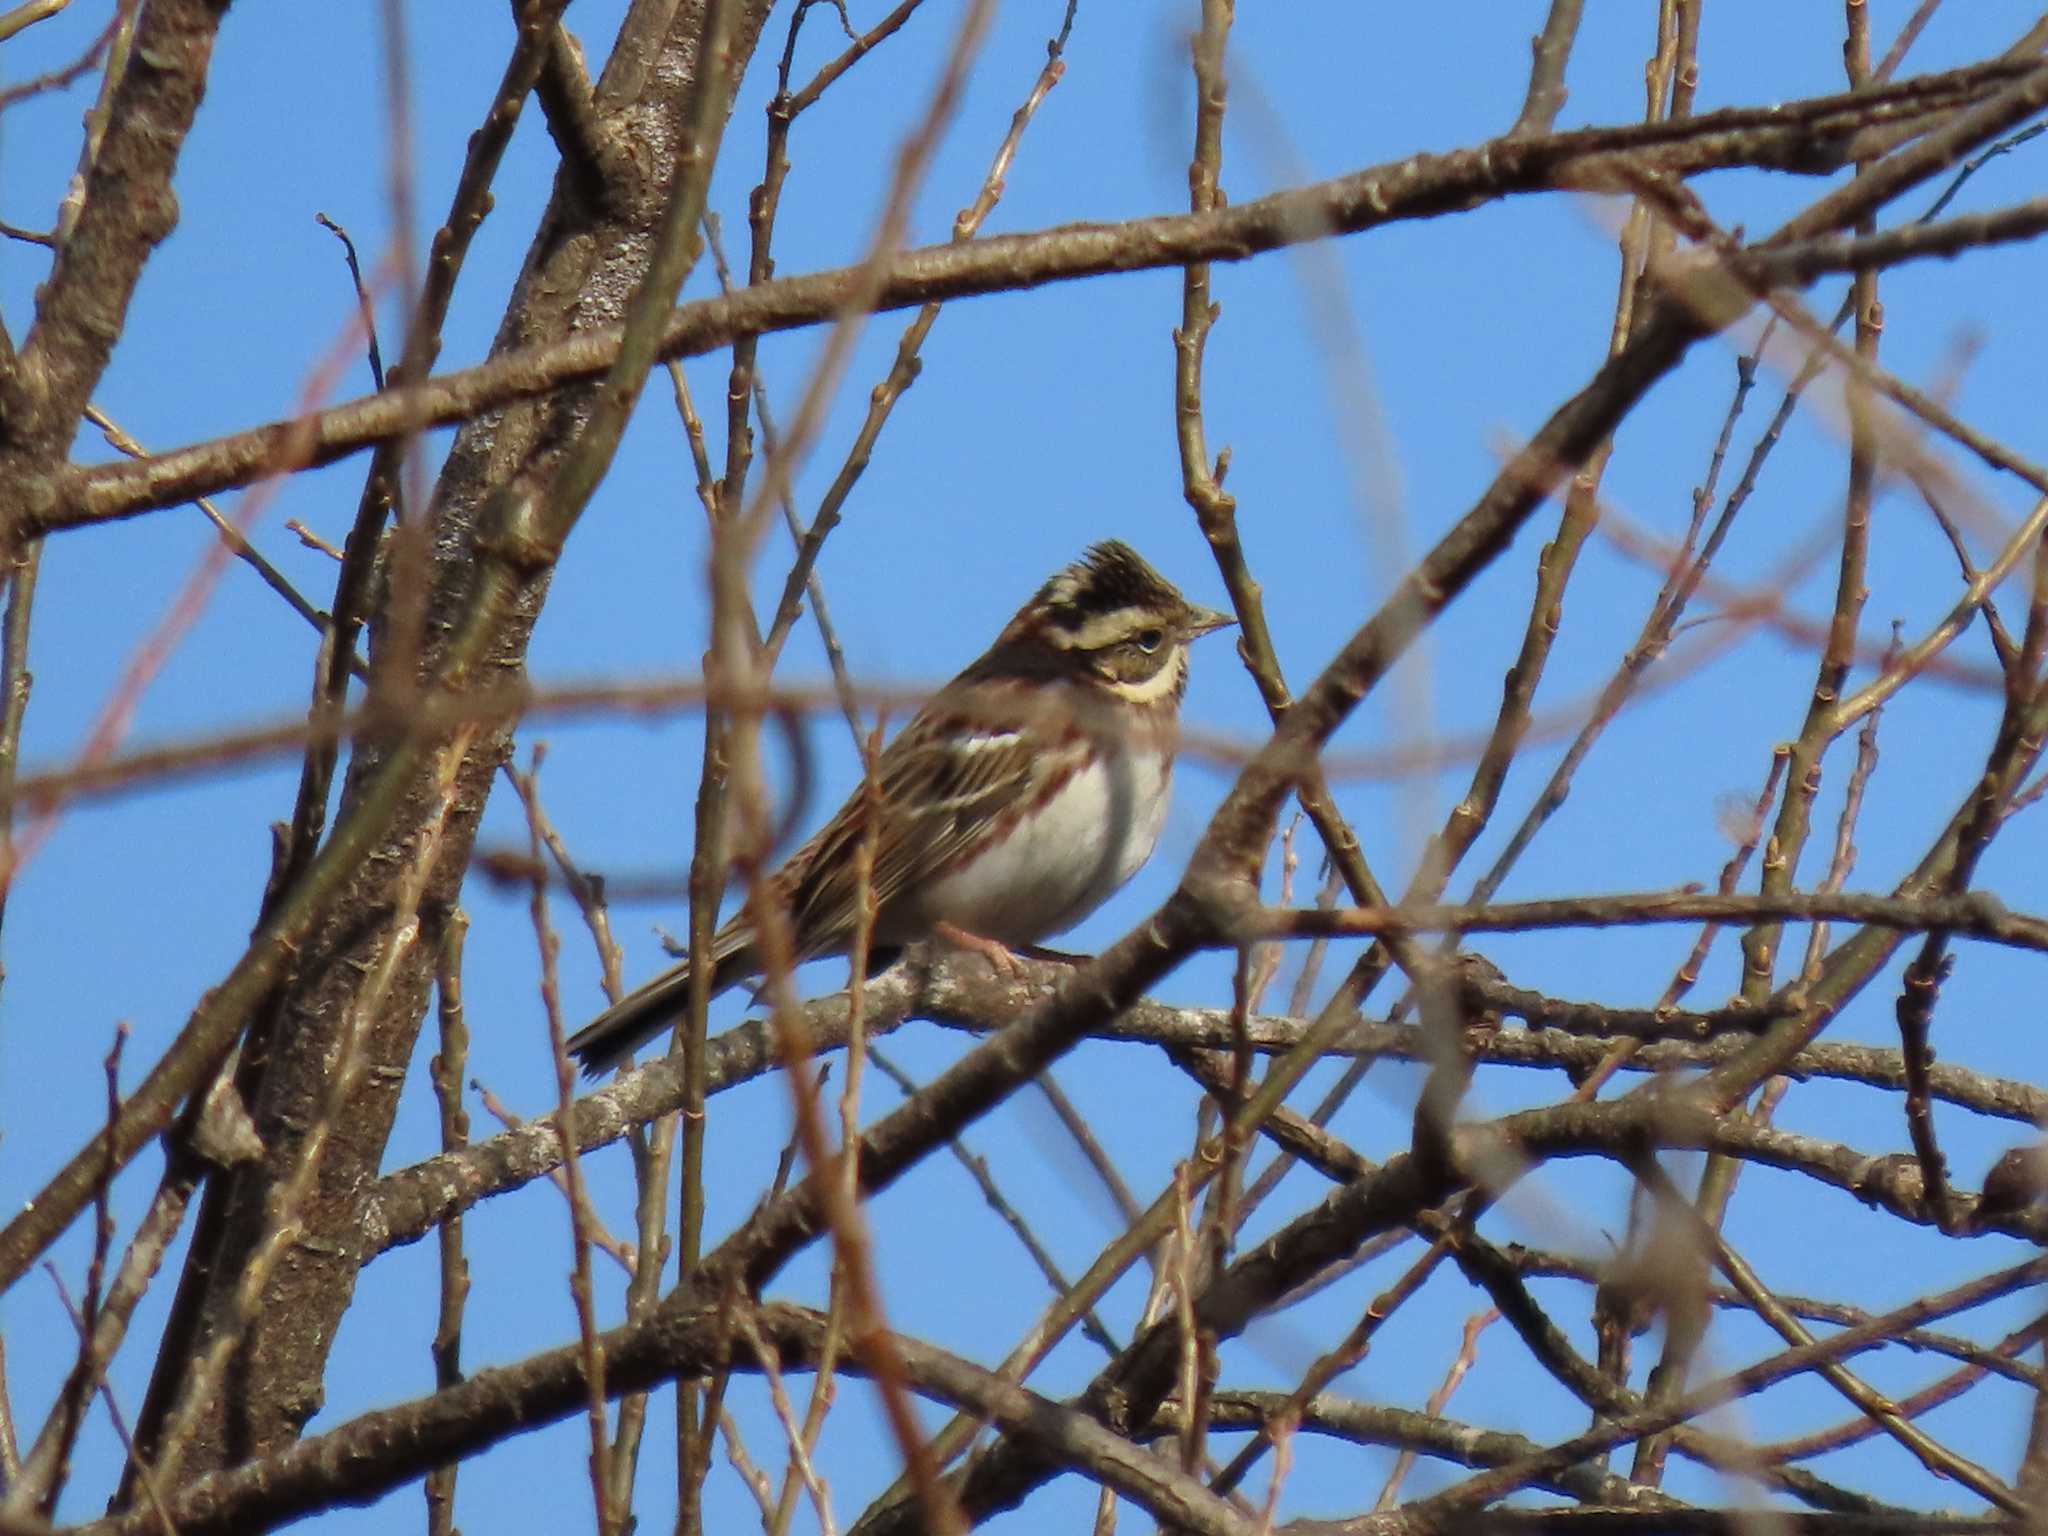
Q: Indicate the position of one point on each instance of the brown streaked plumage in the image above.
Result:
(1012, 805)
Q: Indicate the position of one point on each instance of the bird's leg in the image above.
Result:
(998, 954)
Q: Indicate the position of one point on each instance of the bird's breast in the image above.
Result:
(1085, 834)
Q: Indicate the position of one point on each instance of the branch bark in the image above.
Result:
(483, 593)
(128, 210)
(1815, 137)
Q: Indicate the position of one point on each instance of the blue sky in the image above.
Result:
(1042, 422)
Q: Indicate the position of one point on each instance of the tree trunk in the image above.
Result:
(591, 251)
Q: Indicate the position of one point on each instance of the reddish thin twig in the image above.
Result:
(1440, 1399)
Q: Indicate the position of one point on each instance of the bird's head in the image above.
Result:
(1112, 620)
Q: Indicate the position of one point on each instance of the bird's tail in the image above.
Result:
(637, 1017)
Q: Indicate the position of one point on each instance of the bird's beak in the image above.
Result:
(1201, 620)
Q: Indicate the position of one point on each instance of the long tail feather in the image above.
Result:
(642, 1014)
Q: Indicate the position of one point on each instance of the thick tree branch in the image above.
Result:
(1816, 137)
(128, 210)
(509, 493)
(366, 1457)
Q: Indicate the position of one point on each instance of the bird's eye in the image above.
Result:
(1148, 640)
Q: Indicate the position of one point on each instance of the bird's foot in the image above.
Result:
(998, 954)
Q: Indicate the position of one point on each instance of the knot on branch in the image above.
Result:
(512, 530)
(1217, 908)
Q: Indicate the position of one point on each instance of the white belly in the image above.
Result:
(1062, 863)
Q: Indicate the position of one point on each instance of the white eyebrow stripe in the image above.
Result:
(1108, 628)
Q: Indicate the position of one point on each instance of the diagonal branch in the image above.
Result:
(1814, 137)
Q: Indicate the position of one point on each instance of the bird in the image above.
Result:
(1021, 796)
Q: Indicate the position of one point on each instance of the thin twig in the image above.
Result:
(601, 1237)
(1550, 49)
(978, 1169)
(1440, 1399)
(582, 1217)
(448, 1070)
(149, 1480)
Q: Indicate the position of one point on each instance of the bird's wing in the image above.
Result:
(975, 758)
(952, 776)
